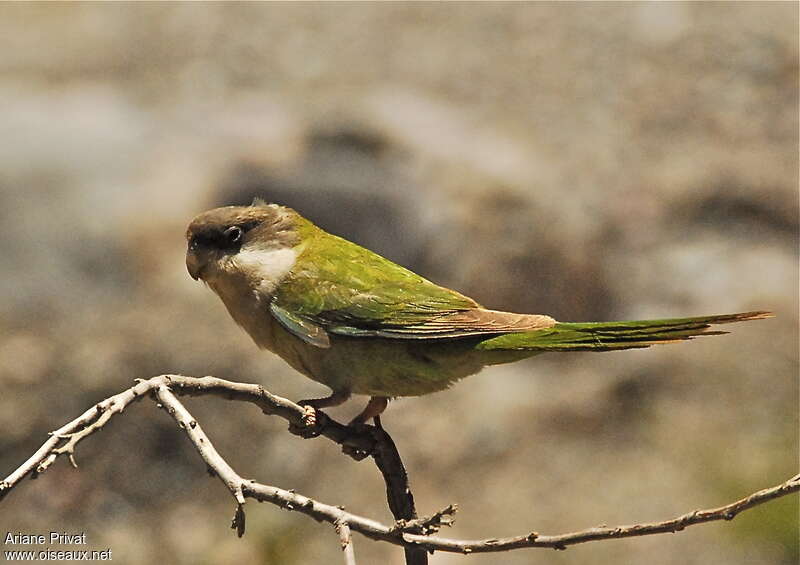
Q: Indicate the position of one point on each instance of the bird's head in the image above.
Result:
(233, 238)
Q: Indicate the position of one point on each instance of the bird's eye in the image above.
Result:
(233, 234)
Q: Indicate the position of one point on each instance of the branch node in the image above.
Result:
(533, 536)
(429, 524)
(343, 530)
(43, 466)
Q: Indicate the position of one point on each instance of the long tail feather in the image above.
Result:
(610, 336)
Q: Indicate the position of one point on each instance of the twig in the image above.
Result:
(347, 542)
(377, 531)
(428, 524)
(213, 459)
(398, 491)
(89, 422)
(404, 534)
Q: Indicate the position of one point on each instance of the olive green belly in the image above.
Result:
(386, 367)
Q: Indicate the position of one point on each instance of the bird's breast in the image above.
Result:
(246, 283)
(248, 307)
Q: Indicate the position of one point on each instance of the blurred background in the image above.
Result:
(589, 161)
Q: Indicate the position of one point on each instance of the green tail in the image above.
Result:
(610, 336)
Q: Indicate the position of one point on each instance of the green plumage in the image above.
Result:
(350, 290)
(339, 287)
(611, 336)
(359, 323)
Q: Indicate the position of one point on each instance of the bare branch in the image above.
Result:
(377, 531)
(87, 423)
(408, 533)
(398, 491)
(347, 542)
(360, 441)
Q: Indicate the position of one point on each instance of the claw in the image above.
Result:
(309, 424)
(310, 416)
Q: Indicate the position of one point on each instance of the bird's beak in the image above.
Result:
(193, 263)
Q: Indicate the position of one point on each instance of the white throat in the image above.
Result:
(264, 269)
(246, 283)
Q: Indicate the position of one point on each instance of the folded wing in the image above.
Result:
(337, 287)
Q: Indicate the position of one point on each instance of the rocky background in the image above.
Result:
(588, 161)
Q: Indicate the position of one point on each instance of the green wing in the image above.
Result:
(339, 287)
(302, 327)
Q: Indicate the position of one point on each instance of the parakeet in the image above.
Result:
(360, 324)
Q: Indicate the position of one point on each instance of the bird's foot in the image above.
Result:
(309, 416)
(309, 425)
(373, 410)
(354, 445)
(311, 422)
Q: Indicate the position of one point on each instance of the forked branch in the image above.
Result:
(412, 533)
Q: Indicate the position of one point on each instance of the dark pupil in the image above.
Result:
(234, 234)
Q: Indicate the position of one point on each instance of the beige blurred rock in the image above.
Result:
(587, 160)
